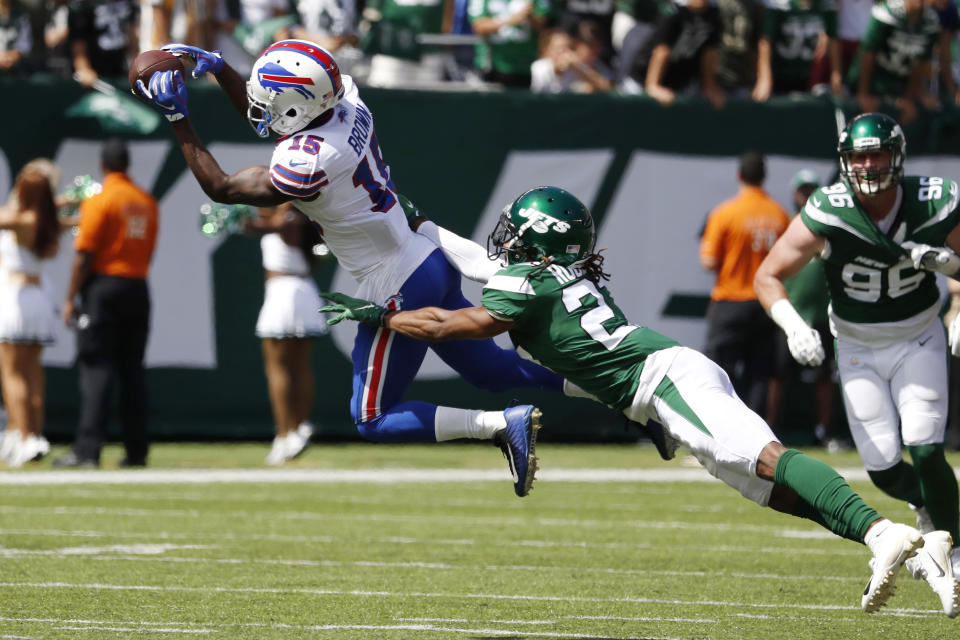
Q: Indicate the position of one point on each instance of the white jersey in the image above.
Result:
(340, 180)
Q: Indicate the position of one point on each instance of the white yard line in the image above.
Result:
(359, 476)
(451, 596)
(57, 554)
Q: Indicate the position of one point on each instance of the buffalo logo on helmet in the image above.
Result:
(275, 78)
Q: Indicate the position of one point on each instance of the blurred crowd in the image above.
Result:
(900, 51)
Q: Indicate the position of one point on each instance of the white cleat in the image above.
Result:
(924, 523)
(897, 543)
(306, 429)
(296, 443)
(932, 563)
(277, 455)
(955, 561)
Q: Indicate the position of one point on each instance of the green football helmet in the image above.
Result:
(872, 132)
(545, 224)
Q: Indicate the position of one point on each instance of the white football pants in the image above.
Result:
(719, 429)
(894, 390)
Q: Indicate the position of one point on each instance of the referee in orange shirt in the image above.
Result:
(738, 236)
(118, 232)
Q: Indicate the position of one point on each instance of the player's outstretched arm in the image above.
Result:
(430, 324)
(231, 82)
(433, 324)
(467, 256)
(250, 186)
(792, 251)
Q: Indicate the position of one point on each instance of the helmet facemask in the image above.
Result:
(872, 133)
(505, 240)
(258, 115)
(872, 181)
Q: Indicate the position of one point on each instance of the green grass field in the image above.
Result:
(348, 542)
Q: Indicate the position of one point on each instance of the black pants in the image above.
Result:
(740, 338)
(111, 339)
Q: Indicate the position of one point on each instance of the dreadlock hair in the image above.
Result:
(592, 267)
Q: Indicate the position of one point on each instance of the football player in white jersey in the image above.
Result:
(328, 163)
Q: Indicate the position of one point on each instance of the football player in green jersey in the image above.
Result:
(880, 236)
(549, 296)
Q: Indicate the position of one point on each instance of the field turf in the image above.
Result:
(376, 541)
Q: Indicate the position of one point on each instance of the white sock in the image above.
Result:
(450, 423)
(875, 532)
(573, 391)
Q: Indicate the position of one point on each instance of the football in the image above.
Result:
(149, 62)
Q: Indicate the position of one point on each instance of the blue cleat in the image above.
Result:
(518, 441)
(665, 443)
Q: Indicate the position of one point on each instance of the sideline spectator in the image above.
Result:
(29, 235)
(398, 59)
(510, 30)
(330, 23)
(117, 236)
(16, 39)
(741, 22)
(100, 36)
(570, 65)
(738, 236)
(795, 33)
(260, 23)
(56, 32)
(573, 14)
(679, 57)
(894, 59)
(949, 22)
(628, 14)
(808, 292)
(287, 324)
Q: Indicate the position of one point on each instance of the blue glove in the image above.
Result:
(203, 60)
(168, 93)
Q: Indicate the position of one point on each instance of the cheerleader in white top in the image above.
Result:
(29, 235)
(287, 322)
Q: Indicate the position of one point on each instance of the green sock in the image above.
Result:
(939, 486)
(841, 509)
(899, 481)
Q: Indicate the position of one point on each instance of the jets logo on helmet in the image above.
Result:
(291, 84)
(541, 222)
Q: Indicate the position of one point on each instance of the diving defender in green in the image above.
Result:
(548, 294)
(881, 236)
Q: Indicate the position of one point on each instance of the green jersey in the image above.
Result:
(870, 276)
(395, 33)
(512, 48)
(571, 325)
(793, 28)
(898, 44)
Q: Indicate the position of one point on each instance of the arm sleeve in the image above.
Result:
(467, 256)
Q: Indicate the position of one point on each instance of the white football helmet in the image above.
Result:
(292, 82)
